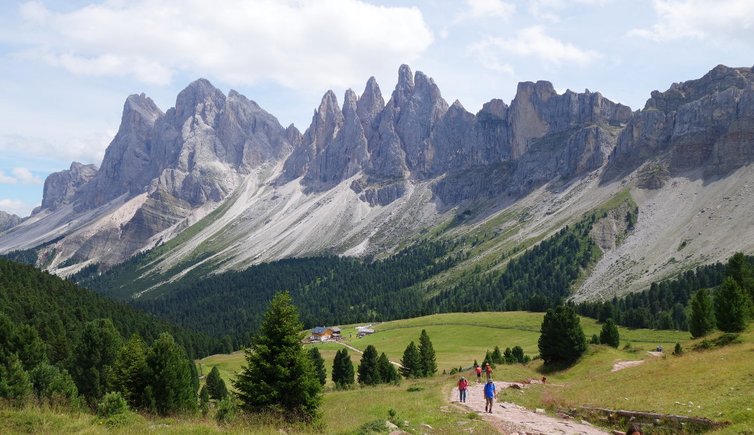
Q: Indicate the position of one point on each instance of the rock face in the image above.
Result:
(162, 166)
(703, 124)
(8, 221)
(370, 161)
(61, 187)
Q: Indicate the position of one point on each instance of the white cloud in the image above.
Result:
(549, 10)
(700, 19)
(296, 43)
(4, 179)
(16, 207)
(24, 176)
(19, 176)
(531, 42)
(86, 149)
(487, 9)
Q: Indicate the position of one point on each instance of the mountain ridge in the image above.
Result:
(367, 177)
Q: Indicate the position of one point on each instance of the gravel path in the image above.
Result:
(510, 418)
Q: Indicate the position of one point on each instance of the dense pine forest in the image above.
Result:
(51, 310)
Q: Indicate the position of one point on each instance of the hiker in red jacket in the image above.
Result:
(462, 385)
(478, 374)
(488, 371)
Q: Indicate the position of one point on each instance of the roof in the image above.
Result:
(318, 330)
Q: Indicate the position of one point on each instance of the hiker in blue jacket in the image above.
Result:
(489, 396)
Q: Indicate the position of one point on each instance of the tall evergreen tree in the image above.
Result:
(342, 369)
(609, 334)
(388, 373)
(170, 381)
(561, 340)
(702, 319)
(731, 307)
(369, 371)
(215, 385)
(94, 355)
(739, 268)
(279, 375)
(14, 381)
(319, 365)
(411, 362)
(427, 355)
(129, 372)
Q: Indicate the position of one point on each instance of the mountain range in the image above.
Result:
(219, 183)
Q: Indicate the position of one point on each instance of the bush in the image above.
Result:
(226, 410)
(678, 349)
(111, 404)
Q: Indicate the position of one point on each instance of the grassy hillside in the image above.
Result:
(717, 383)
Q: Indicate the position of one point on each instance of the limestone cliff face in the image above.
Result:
(162, 166)
(8, 221)
(705, 124)
(164, 169)
(61, 187)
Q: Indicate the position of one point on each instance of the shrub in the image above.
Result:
(678, 349)
(111, 404)
(226, 410)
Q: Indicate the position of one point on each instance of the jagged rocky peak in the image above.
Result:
(370, 104)
(707, 124)
(8, 221)
(199, 97)
(61, 187)
(716, 80)
(495, 108)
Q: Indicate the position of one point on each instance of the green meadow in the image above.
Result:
(717, 383)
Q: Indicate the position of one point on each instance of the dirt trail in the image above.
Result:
(510, 418)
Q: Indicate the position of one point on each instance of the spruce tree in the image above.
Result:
(739, 268)
(53, 385)
(388, 373)
(93, 357)
(319, 365)
(508, 356)
(702, 319)
(731, 307)
(369, 371)
(215, 385)
(497, 356)
(561, 340)
(411, 362)
(342, 369)
(279, 375)
(518, 354)
(170, 378)
(14, 381)
(129, 371)
(609, 334)
(427, 355)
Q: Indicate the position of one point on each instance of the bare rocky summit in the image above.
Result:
(369, 174)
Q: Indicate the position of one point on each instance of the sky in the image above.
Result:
(66, 67)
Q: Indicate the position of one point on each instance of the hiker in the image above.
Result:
(544, 379)
(488, 371)
(462, 385)
(489, 396)
(478, 374)
(633, 429)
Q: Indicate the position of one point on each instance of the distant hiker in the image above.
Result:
(462, 385)
(634, 429)
(488, 372)
(489, 396)
(544, 379)
(478, 374)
